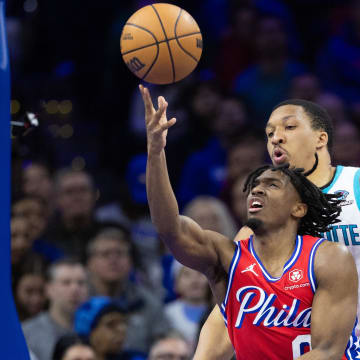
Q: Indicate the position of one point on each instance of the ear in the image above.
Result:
(299, 210)
(322, 140)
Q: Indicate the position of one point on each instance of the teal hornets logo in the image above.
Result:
(343, 195)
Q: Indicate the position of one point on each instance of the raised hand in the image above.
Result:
(156, 121)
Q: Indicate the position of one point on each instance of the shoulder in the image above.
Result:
(333, 261)
(34, 324)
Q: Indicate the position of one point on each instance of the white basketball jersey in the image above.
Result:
(347, 183)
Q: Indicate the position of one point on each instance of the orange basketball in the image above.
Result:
(161, 43)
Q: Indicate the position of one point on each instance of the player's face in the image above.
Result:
(290, 137)
(272, 199)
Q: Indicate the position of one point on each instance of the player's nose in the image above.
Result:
(278, 137)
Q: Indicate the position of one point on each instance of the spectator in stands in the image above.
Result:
(110, 263)
(72, 347)
(170, 346)
(338, 61)
(306, 86)
(66, 289)
(22, 255)
(212, 214)
(346, 149)
(29, 294)
(193, 300)
(266, 83)
(75, 196)
(204, 171)
(33, 208)
(104, 323)
(37, 181)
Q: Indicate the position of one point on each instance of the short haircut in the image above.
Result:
(323, 209)
(65, 172)
(64, 343)
(69, 261)
(172, 334)
(118, 233)
(320, 118)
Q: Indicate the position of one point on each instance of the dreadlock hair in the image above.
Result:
(323, 209)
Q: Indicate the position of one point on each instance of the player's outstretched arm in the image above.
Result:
(214, 342)
(335, 301)
(188, 242)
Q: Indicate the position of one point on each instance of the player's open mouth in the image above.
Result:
(279, 155)
(255, 205)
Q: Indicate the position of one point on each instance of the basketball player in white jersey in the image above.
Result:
(299, 132)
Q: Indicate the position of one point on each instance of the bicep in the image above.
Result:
(197, 248)
(335, 300)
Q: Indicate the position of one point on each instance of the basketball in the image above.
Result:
(161, 43)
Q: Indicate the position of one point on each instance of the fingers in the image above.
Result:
(145, 94)
(168, 124)
(162, 106)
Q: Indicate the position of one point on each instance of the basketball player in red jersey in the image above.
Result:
(268, 285)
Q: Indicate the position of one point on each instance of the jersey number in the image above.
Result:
(300, 344)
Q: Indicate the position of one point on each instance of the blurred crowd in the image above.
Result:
(90, 278)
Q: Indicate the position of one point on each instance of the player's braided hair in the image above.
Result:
(323, 209)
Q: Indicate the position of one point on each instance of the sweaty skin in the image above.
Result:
(334, 303)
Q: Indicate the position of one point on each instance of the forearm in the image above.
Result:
(162, 202)
(214, 342)
(318, 354)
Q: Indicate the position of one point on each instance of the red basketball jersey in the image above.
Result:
(269, 318)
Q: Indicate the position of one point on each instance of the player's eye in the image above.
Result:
(273, 185)
(270, 134)
(290, 127)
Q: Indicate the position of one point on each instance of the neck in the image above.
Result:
(111, 288)
(324, 170)
(275, 247)
(62, 318)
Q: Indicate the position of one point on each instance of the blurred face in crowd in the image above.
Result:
(346, 137)
(192, 285)
(334, 105)
(75, 196)
(69, 288)
(230, 118)
(270, 37)
(238, 199)
(204, 213)
(110, 260)
(290, 137)
(35, 212)
(245, 157)
(109, 334)
(20, 239)
(30, 294)
(244, 23)
(37, 181)
(305, 87)
(170, 349)
(204, 101)
(79, 352)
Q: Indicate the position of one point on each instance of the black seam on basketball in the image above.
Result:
(158, 42)
(151, 66)
(178, 42)
(167, 42)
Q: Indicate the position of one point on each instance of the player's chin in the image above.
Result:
(254, 223)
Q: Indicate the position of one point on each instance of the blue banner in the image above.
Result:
(12, 342)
